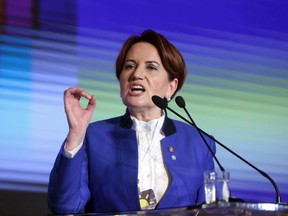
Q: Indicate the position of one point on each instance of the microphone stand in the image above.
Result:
(278, 197)
(209, 148)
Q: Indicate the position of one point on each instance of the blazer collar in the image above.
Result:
(168, 126)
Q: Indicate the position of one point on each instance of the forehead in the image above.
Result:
(143, 50)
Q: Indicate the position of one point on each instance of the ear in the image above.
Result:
(172, 88)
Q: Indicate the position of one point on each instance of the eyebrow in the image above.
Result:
(147, 62)
(129, 60)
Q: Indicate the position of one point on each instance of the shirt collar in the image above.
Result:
(168, 127)
(149, 125)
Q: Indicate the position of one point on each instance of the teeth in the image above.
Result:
(137, 88)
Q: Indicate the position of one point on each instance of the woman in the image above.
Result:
(141, 160)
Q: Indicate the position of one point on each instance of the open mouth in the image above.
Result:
(137, 89)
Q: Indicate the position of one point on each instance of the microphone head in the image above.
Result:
(159, 102)
(180, 101)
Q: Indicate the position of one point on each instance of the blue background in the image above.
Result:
(236, 53)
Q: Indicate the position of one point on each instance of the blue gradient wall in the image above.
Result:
(236, 90)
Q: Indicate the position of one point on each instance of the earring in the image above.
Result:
(168, 98)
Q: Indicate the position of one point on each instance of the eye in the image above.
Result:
(128, 66)
(151, 67)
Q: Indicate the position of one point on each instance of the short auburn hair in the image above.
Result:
(170, 56)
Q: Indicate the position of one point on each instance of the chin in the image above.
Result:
(134, 101)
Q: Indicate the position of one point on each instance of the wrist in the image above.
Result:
(73, 140)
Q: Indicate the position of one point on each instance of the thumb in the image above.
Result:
(91, 103)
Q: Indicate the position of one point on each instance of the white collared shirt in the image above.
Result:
(152, 173)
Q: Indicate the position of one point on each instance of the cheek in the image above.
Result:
(121, 89)
(161, 84)
(123, 86)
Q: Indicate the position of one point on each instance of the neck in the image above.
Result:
(146, 115)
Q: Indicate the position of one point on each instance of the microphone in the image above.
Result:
(159, 102)
(163, 104)
(181, 103)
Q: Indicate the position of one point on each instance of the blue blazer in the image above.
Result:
(102, 176)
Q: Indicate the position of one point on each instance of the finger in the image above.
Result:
(73, 90)
(91, 103)
(77, 93)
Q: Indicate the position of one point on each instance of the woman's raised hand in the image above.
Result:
(78, 117)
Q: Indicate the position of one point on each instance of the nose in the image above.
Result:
(138, 73)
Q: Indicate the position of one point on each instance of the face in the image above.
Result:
(143, 76)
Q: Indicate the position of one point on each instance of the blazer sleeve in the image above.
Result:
(68, 190)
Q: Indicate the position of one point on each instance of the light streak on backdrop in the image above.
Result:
(236, 88)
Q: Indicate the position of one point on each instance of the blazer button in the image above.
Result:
(171, 149)
(173, 157)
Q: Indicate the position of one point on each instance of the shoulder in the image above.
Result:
(181, 124)
(183, 127)
(189, 130)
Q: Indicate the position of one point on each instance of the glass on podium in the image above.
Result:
(216, 186)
